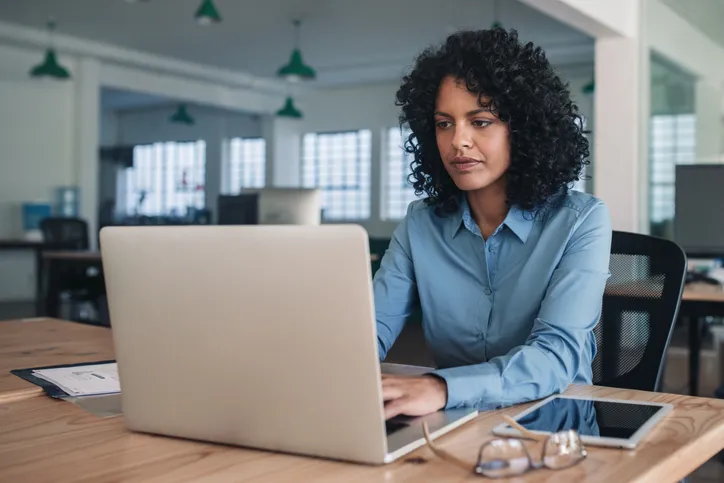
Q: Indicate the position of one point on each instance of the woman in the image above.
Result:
(508, 263)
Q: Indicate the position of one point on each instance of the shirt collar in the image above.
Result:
(518, 221)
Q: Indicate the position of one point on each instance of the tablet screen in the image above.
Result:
(590, 418)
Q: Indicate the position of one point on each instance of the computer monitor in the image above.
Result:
(699, 222)
(289, 206)
(271, 206)
(240, 209)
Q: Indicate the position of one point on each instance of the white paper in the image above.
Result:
(87, 380)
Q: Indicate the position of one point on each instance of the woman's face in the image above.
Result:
(474, 144)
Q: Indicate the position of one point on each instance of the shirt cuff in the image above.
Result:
(472, 386)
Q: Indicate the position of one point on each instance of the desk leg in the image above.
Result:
(52, 293)
(39, 272)
(694, 353)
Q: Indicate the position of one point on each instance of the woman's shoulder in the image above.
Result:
(422, 215)
(578, 207)
(579, 201)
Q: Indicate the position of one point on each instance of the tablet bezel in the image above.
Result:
(629, 443)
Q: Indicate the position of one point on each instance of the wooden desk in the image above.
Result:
(44, 342)
(91, 256)
(48, 440)
(702, 292)
(42, 439)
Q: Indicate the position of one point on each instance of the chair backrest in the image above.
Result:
(68, 233)
(640, 306)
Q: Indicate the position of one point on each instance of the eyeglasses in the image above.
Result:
(501, 458)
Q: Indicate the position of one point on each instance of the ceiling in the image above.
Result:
(346, 41)
(706, 15)
(115, 99)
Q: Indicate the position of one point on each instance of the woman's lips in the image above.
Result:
(462, 163)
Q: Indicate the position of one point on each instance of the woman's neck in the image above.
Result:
(488, 207)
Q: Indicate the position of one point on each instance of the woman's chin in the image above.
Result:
(470, 183)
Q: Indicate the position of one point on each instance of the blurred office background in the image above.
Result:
(157, 111)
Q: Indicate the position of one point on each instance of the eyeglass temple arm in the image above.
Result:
(524, 432)
(442, 454)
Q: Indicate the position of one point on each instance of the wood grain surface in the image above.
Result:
(49, 440)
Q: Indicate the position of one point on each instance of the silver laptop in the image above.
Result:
(257, 336)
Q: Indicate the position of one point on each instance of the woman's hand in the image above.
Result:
(413, 396)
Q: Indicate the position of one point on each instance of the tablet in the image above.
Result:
(599, 422)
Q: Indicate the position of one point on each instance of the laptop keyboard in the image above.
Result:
(397, 423)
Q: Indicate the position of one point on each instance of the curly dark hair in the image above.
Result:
(548, 146)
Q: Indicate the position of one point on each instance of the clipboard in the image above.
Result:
(48, 387)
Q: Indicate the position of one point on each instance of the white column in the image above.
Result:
(378, 172)
(621, 120)
(214, 164)
(283, 151)
(709, 126)
(87, 141)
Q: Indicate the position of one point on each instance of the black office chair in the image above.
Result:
(640, 306)
(65, 233)
(81, 286)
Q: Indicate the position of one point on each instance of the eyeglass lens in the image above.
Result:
(562, 450)
(500, 458)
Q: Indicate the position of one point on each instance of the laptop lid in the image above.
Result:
(260, 336)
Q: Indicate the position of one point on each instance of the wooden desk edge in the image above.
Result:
(21, 395)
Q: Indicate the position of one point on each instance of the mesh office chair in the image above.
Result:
(66, 233)
(640, 306)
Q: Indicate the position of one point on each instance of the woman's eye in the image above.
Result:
(481, 123)
(443, 124)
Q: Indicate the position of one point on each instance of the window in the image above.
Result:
(673, 140)
(339, 165)
(246, 164)
(166, 179)
(398, 192)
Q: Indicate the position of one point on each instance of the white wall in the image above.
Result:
(674, 38)
(36, 135)
(594, 17)
(38, 148)
(373, 107)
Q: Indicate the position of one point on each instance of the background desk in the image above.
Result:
(699, 301)
(37, 248)
(55, 262)
(42, 439)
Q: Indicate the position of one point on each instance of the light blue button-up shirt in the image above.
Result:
(506, 320)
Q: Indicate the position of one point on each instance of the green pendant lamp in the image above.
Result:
(50, 66)
(589, 88)
(296, 70)
(207, 13)
(181, 116)
(289, 110)
(496, 15)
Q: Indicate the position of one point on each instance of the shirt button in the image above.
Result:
(491, 248)
(488, 291)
